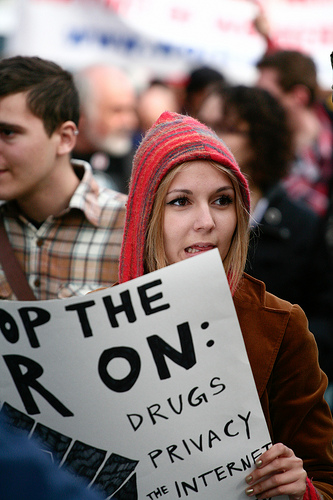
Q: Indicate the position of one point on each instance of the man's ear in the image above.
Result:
(67, 133)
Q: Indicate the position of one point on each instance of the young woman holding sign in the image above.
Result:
(187, 196)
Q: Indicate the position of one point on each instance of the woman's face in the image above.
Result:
(200, 212)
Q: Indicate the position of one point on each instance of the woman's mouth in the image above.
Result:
(199, 248)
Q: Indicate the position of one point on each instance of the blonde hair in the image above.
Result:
(235, 260)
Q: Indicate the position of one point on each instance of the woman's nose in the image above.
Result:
(204, 219)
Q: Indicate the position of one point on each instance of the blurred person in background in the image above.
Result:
(157, 97)
(291, 77)
(200, 81)
(329, 218)
(287, 247)
(108, 122)
(312, 176)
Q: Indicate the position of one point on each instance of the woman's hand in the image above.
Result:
(278, 472)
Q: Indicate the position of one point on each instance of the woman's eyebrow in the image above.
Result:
(180, 190)
(188, 191)
(224, 188)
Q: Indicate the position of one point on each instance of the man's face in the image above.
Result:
(27, 153)
(268, 79)
(112, 118)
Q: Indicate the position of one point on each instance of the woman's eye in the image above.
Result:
(179, 202)
(224, 200)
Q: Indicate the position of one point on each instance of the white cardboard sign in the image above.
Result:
(144, 388)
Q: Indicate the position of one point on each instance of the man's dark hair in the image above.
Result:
(294, 68)
(268, 132)
(200, 78)
(51, 92)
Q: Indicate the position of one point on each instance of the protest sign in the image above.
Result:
(144, 388)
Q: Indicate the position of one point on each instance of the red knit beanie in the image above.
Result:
(172, 140)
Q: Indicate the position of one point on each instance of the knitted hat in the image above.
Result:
(172, 140)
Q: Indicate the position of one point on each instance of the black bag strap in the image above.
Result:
(14, 273)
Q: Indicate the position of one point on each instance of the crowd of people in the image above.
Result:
(100, 185)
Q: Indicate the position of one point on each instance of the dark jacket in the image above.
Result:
(288, 253)
(27, 472)
(282, 352)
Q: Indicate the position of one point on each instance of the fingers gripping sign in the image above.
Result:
(278, 472)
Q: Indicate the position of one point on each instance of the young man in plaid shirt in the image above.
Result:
(65, 230)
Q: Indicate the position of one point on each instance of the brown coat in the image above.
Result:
(284, 359)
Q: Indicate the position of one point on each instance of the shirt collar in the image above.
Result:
(85, 197)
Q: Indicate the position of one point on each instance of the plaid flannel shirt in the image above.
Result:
(74, 252)
(311, 175)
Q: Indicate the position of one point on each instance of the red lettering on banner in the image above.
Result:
(326, 36)
(298, 38)
(314, 2)
(115, 4)
(120, 6)
(181, 15)
(232, 26)
(54, 1)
